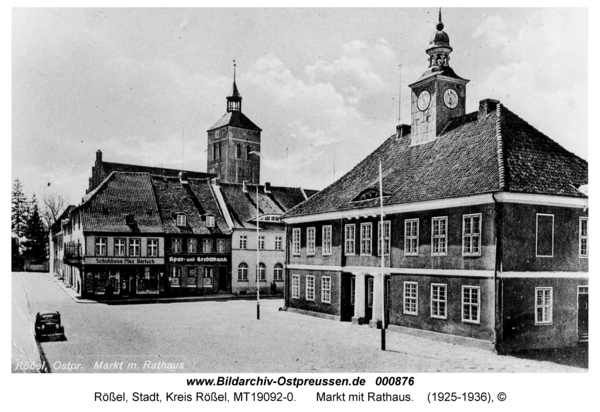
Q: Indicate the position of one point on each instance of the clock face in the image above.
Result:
(451, 98)
(423, 100)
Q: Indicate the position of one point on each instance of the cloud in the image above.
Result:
(533, 57)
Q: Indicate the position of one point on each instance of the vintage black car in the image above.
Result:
(48, 325)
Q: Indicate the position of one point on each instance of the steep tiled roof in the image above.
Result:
(462, 161)
(104, 209)
(193, 199)
(237, 119)
(109, 167)
(242, 206)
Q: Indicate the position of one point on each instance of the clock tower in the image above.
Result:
(439, 94)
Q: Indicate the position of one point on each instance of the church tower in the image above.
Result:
(231, 142)
(439, 94)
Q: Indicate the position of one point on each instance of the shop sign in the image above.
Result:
(123, 261)
(198, 259)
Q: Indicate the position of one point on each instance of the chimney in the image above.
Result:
(267, 187)
(244, 187)
(486, 106)
(183, 178)
(402, 130)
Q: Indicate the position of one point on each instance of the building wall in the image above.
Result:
(269, 256)
(454, 323)
(518, 326)
(519, 239)
(90, 243)
(333, 308)
(335, 259)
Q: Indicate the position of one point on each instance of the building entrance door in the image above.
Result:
(223, 279)
(582, 312)
(369, 299)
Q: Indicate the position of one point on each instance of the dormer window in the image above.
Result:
(181, 220)
(210, 221)
(129, 219)
(368, 194)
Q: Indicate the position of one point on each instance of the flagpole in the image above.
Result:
(381, 233)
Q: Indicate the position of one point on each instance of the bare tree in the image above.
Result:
(53, 207)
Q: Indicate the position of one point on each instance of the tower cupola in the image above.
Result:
(234, 100)
(439, 46)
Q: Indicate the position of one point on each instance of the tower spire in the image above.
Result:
(234, 100)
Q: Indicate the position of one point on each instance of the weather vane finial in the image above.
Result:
(234, 70)
(440, 25)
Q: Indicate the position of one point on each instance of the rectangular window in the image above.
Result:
(326, 289)
(470, 304)
(243, 242)
(583, 237)
(181, 220)
(370, 292)
(101, 246)
(326, 240)
(310, 288)
(544, 246)
(221, 245)
(176, 276)
(191, 277)
(472, 235)
(543, 306)
(296, 286)
(352, 290)
(387, 228)
(438, 301)
(176, 245)
(411, 298)
(192, 245)
(152, 247)
(349, 239)
(261, 242)
(134, 247)
(366, 234)
(278, 243)
(296, 241)
(120, 247)
(310, 241)
(210, 221)
(411, 237)
(439, 236)
(206, 245)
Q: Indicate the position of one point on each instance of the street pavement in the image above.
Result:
(225, 336)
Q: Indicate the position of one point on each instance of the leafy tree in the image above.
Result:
(36, 234)
(19, 210)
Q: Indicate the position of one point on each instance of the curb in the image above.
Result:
(137, 301)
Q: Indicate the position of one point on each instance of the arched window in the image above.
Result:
(278, 272)
(262, 272)
(243, 271)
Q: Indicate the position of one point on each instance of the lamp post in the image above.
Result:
(257, 249)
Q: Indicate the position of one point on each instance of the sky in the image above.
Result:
(144, 85)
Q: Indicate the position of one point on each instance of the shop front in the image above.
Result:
(198, 275)
(124, 277)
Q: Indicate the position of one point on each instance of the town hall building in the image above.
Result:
(485, 231)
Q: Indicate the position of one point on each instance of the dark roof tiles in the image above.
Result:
(462, 161)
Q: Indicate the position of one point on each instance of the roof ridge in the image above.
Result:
(93, 193)
(500, 148)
